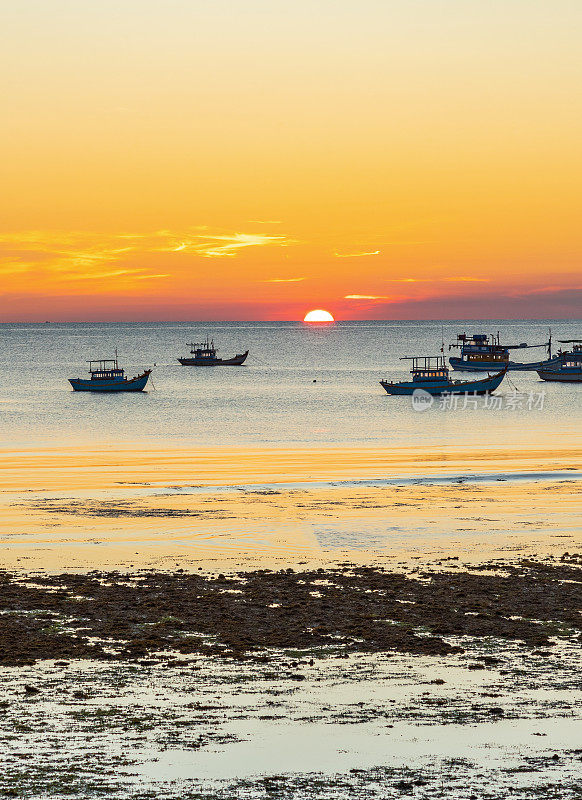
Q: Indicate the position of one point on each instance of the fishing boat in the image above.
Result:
(107, 376)
(431, 374)
(203, 354)
(569, 369)
(483, 353)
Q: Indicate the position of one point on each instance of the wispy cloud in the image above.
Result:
(366, 297)
(134, 273)
(283, 280)
(116, 259)
(456, 279)
(235, 242)
(222, 245)
(357, 255)
(463, 279)
(13, 267)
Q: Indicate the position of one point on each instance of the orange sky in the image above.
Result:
(215, 160)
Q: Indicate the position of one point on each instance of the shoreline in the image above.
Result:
(166, 528)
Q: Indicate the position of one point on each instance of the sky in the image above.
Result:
(205, 159)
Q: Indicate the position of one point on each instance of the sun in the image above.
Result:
(318, 315)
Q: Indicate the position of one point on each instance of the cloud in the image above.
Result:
(134, 273)
(457, 279)
(465, 279)
(235, 242)
(357, 255)
(366, 297)
(13, 267)
(116, 259)
(222, 245)
(283, 280)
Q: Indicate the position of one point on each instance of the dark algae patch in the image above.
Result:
(113, 615)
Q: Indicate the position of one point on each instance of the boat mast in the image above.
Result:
(550, 345)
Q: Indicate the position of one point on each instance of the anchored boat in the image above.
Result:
(569, 368)
(107, 376)
(483, 353)
(203, 354)
(431, 374)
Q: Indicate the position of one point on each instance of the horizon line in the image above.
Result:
(286, 321)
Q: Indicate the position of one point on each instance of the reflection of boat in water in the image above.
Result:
(431, 374)
(569, 367)
(483, 353)
(203, 354)
(107, 376)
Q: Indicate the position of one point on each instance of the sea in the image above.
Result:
(303, 386)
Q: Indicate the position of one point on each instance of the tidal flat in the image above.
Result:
(290, 624)
(450, 680)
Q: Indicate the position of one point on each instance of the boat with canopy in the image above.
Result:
(431, 374)
(107, 376)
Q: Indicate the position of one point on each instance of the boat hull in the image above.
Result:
(560, 376)
(483, 386)
(236, 361)
(136, 384)
(487, 366)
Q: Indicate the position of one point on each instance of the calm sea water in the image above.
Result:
(302, 386)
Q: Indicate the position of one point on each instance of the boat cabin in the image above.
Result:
(203, 350)
(428, 368)
(481, 347)
(106, 369)
(572, 359)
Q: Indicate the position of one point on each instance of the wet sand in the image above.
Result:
(123, 508)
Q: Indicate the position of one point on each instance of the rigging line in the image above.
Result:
(512, 384)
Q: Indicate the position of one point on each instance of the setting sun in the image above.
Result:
(318, 315)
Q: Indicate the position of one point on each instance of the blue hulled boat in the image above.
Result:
(483, 353)
(107, 376)
(569, 368)
(431, 374)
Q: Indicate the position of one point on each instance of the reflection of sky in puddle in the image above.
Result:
(135, 525)
(355, 713)
(275, 748)
(166, 508)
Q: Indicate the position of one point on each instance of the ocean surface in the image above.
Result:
(303, 386)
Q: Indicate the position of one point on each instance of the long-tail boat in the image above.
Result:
(431, 374)
(107, 376)
(203, 354)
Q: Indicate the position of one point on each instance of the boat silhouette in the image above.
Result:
(203, 354)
